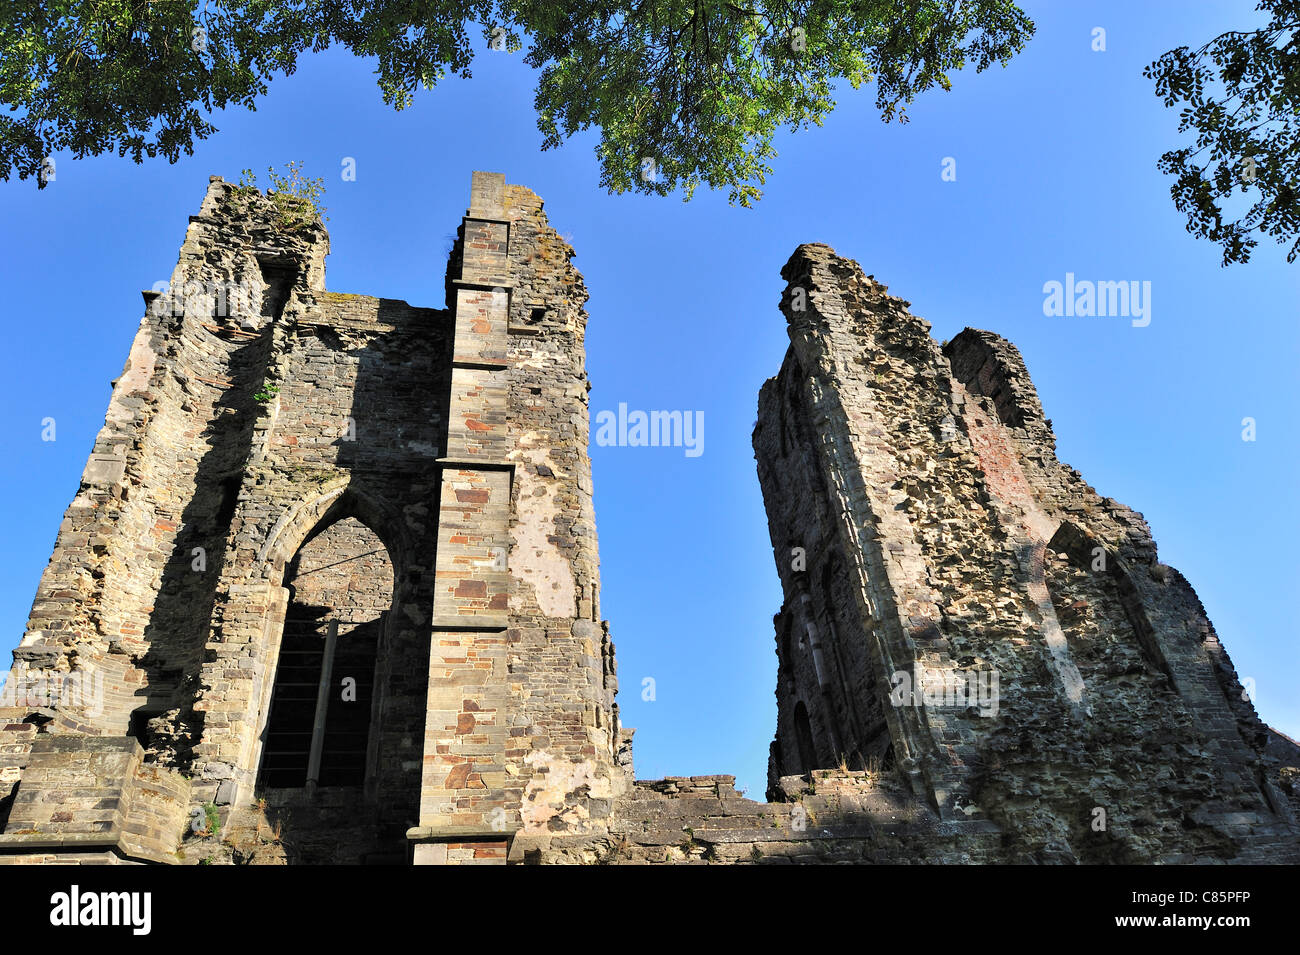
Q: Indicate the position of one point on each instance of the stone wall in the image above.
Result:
(96, 800)
(826, 816)
(925, 533)
(565, 730)
(285, 469)
(276, 457)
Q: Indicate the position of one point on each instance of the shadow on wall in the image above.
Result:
(165, 723)
(362, 392)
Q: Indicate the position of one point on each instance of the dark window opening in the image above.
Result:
(804, 738)
(229, 502)
(323, 705)
(279, 281)
(138, 728)
(300, 700)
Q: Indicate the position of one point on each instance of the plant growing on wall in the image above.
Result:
(297, 199)
(266, 393)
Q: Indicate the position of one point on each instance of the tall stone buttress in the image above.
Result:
(329, 589)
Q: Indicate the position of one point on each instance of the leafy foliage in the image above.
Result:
(266, 393)
(1242, 96)
(692, 93)
(296, 198)
(93, 76)
(685, 92)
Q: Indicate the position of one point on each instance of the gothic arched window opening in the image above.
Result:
(320, 725)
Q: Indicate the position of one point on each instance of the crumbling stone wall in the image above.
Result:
(566, 730)
(825, 816)
(160, 482)
(93, 800)
(923, 481)
(278, 452)
(279, 460)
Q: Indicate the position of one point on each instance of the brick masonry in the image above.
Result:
(298, 454)
(282, 466)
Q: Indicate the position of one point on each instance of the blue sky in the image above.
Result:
(1056, 172)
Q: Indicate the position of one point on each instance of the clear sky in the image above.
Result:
(1056, 172)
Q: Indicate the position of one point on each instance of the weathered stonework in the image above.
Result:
(281, 463)
(922, 524)
(329, 592)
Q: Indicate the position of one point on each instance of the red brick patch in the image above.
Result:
(456, 778)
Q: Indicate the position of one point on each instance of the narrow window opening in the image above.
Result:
(138, 728)
(804, 738)
(279, 281)
(229, 502)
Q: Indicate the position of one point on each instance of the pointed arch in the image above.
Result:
(366, 775)
(341, 497)
(324, 710)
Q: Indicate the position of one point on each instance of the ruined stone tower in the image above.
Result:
(964, 614)
(329, 585)
(329, 592)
